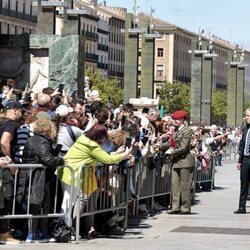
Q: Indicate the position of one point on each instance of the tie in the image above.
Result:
(247, 144)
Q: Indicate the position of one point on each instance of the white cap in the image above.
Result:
(63, 110)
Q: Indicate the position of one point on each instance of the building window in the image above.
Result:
(159, 73)
(160, 52)
(159, 70)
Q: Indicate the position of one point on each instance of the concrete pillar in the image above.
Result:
(231, 95)
(46, 19)
(206, 90)
(196, 67)
(147, 67)
(131, 61)
(240, 95)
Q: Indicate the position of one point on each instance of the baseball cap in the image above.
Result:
(15, 105)
(63, 110)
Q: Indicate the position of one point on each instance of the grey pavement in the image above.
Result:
(212, 224)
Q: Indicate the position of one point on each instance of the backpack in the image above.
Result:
(61, 232)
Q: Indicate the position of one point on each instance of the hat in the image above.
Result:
(43, 114)
(15, 105)
(63, 110)
(179, 114)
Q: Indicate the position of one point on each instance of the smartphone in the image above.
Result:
(145, 140)
(128, 142)
(123, 120)
(58, 148)
(6, 159)
(60, 88)
(138, 136)
(156, 131)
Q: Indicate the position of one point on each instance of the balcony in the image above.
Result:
(102, 47)
(102, 66)
(116, 73)
(18, 15)
(90, 35)
(91, 57)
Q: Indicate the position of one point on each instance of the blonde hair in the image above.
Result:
(46, 128)
(118, 137)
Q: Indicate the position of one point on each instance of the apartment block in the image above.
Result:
(17, 17)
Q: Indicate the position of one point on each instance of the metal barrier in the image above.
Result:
(109, 192)
(204, 174)
(31, 168)
(151, 183)
(231, 151)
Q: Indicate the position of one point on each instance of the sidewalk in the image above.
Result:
(212, 225)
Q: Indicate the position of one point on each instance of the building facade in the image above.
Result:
(17, 17)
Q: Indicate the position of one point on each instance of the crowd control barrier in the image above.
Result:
(151, 180)
(109, 191)
(26, 212)
(204, 174)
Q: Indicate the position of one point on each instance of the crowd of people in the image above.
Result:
(53, 129)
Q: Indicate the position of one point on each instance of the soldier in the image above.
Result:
(182, 166)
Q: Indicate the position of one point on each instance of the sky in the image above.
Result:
(227, 19)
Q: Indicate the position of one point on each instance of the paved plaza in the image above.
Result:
(212, 224)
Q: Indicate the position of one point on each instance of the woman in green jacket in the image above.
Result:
(87, 152)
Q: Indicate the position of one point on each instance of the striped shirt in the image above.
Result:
(23, 133)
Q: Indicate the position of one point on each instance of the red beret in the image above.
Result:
(179, 114)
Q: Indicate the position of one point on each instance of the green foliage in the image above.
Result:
(246, 104)
(108, 88)
(175, 96)
(219, 107)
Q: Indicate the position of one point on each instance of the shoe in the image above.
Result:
(185, 213)
(92, 232)
(143, 209)
(116, 218)
(116, 231)
(174, 212)
(240, 211)
(45, 236)
(8, 239)
(32, 238)
(133, 196)
(160, 206)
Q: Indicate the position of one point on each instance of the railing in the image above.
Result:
(102, 66)
(116, 73)
(111, 193)
(19, 15)
(102, 47)
(26, 214)
(92, 57)
(90, 35)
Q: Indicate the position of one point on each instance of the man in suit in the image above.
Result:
(183, 166)
(244, 164)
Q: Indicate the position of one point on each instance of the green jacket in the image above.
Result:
(86, 152)
(182, 158)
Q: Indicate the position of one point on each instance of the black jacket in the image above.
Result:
(242, 143)
(37, 150)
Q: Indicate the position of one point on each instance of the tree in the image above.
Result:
(109, 89)
(219, 108)
(175, 96)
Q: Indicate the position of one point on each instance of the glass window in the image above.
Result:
(160, 52)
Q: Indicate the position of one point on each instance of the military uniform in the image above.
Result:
(182, 171)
